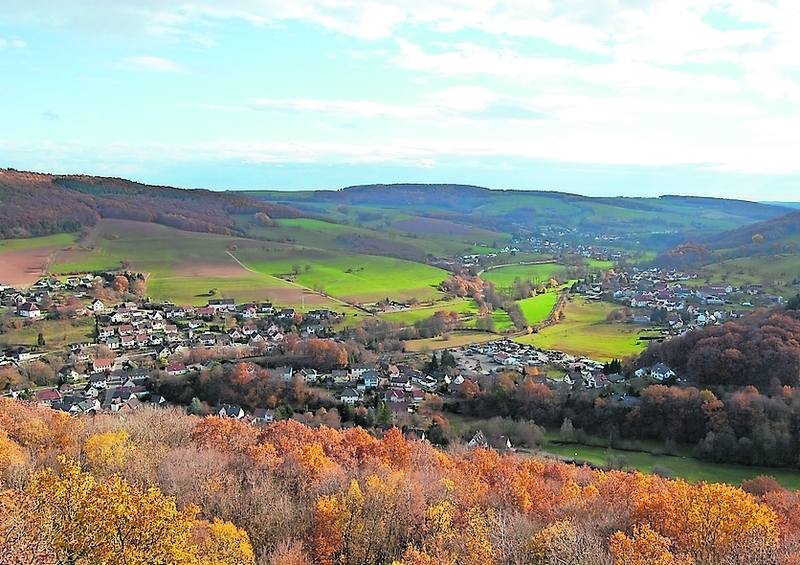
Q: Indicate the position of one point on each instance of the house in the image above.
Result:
(402, 382)
(206, 338)
(105, 332)
(350, 396)
(399, 408)
(661, 372)
(102, 365)
(340, 375)
(97, 305)
(48, 396)
(174, 369)
(371, 379)
(222, 304)
(498, 443)
(287, 313)
(230, 411)
(615, 378)
(309, 375)
(263, 416)
(283, 373)
(359, 369)
(29, 310)
(394, 395)
(417, 396)
(206, 313)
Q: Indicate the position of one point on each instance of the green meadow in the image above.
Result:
(537, 308)
(775, 272)
(185, 266)
(57, 334)
(149, 248)
(348, 277)
(322, 235)
(584, 331)
(681, 465)
(504, 276)
(65, 239)
(465, 308)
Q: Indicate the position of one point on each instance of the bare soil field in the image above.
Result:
(23, 267)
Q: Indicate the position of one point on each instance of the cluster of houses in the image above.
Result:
(114, 390)
(260, 328)
(37, 300)
(564, 241)
(579, 372)
(402, 387)
(683, 301)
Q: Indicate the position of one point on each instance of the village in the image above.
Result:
(136, 343)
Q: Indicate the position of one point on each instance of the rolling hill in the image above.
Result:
(37, 204)
(657, 222)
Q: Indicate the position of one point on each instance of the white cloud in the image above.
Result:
(466, 59)
(152, 64)
(345, 108)
(15, 43)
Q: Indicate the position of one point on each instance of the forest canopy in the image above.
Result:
(197, 490)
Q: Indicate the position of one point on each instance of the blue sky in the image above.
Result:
(596, 97)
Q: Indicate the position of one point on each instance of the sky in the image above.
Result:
(594, 97)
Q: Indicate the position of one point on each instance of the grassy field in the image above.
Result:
(504, 276)
(150, 248)
(775, 272)
(320, 234)
(65, 239)
(681, 465)
(409, 317)
(584, 331)
(57, 334)
(366, 278)
(643, 456)
(185, 266)
(537, 308)
(457, 339)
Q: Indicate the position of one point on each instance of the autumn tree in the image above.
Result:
(111, 521)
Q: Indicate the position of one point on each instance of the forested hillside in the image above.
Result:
(161, 486)
(760, 350)
(35, 204)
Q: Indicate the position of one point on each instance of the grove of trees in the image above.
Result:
(160, 486)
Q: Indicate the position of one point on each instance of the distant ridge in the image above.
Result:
(37, 204)
(785, 204)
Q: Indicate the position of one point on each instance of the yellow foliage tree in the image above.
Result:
(708, 521)
(222, 543)
(645, 547)
(10, 453)
(109, 452)
(110, 522)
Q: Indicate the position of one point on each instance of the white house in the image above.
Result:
(29, 310)
(350, 396)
